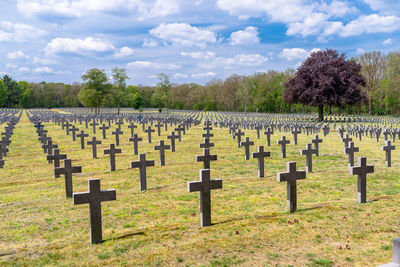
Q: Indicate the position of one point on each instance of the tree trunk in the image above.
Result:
(321, 113)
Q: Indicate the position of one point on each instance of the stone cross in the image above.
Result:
(350, 150)
(295, 132)
(388, 149)
(239, 135)
(316, 141)
(94, 197)
(142, 164)
(308, 153)
(162, 147)
(179, 130)
(205, 185)
(159, 125)
(112, 151)
(206, 143)
(268, 133)
(117, 133)
(3, 149)
(132, 128)
(247, 145)
(56, 156)
(206, 158)
(94, 124)
(207, 135)
(361, 171)
(74, 130)
(172, 137)
(291, 177)
(82, 136)
(48, 148)
(283, 142)
(94, 144)
(260, 155)
(135, 139)
(103, 129)
(149, 131)
(346, 140)
(68, 170)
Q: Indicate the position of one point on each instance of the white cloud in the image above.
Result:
(388, 41)
(386, 7)
(183, 34)
(248, 36)
(241, 60)
(152, 65)
(142, 9)
(336, 8)
(16, 55)
(203, 75)
(124, 52)
(24, 69)
(43, 70)
(360, 51)
(11, 66)
(292, 54)
(370, 24)
(19, 32)
(199, 55)
(44, 61)
(180, 75)
(77, 46)
(150, 43)
(309, 26)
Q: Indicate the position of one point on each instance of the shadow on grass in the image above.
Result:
(124, 236)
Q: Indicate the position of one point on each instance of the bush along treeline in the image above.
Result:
(369, 83)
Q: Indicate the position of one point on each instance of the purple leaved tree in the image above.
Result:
(326, 78)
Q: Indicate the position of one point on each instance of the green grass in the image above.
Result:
(160, 226)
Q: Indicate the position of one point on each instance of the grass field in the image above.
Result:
(160, 226)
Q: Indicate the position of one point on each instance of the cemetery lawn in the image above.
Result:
(39, 226)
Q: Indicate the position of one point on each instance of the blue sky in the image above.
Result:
(191, 41)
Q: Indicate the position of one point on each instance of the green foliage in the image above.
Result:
(26, 96)
(3, 94)
(13, 91)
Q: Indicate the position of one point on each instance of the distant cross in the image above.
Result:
(206, 144)
(56, 156)
(239, 135)
(258, 128)
(341, 131)
(308, 153)
(135, 139)
(162, 147)
(142, 164)
(117, 133)
(159, 125)
(94, 198)
(149, 131)
(172, 137)
(268, 133)
(316, 141)
(350, 150)
(74, 130)
(103, 129)
(179, 130)
(291, 177)
(205, 185)
(94, 125)
(82, 136)
(283, 142)
(246, 146)
(67, 125)
(346, 140)
(361, 171)
(112, 151)
(49, 147)
(388, 149)
(260, 155)
(207, 135)
(94, 144)
(206, 158)
(295, 132)
(119, 123)
(68, 170)
(3, 150)
(132, 127)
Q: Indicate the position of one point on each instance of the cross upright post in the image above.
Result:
(68, 170)
(94, 144)
(117, 133)
(112, 151)
(239, 135)
(56, 156)
(388, 149)
(149, 131)
(142, 164)
(350, 150)
(172, 137)
(361, 171)
(268, 133)
(94, 197)
(346, 140)
(103, 128)
(260, 155)
(206, 158)
(283, 142)
(162, 147)
(206, 143)
(316, 141)
(295, 132)
(82, 136)
(308, 153)
(246, 146)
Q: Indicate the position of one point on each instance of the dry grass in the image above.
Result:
(160, 226)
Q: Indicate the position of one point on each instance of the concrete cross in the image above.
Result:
(82, 136)
(112, 151)
(206, 144)
(94, 197)
(117, 133)
(172, 137)
(142, 164)
(291, 177)
(247, 145)
(68, 170)
(49, 147)
(283, 142)
(149, 131)
(94, 125)
(135, 139)
(308, 153)
(346, 140)
(239, 135)
(159, 125)
(268, 133)
(260, 155)
(388, 149)
(295, 132)
(206, 158)
(74, 130)
(94, 144)
(132, 127)
(103, 129)
(162, 147)
(205, 185)
(350, 150)
(56, 156)
(316, 141)
(361, 171)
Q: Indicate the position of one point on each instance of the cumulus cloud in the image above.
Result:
(77, 46)
(203, 75)
(370, 24)
(292, 54)
(150, 43)
(142, 9)
(248, 36)
(152, 65)
(124, 52)
(16, 55)
(241, 60)
(388, 41)
(180, 76)
(199, 55)
(385, 7)
(19, 32)
(43, 70)
(183, 34)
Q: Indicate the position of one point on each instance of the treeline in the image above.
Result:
(260, 92)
